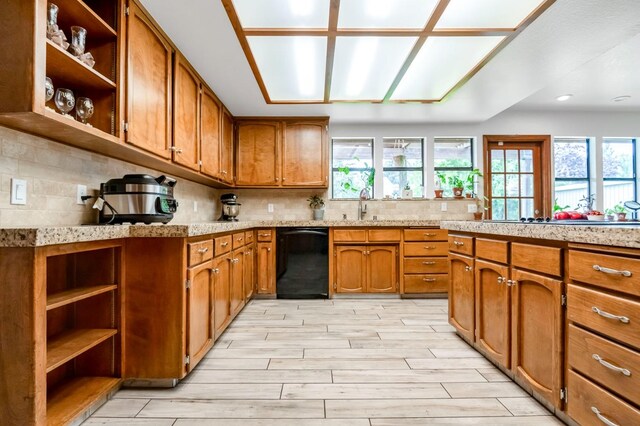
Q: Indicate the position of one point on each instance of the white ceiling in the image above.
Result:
(589, 48)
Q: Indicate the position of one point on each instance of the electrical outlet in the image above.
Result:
(81, 191)
(195, 206)
(472, 208)
(270, 208)
(443, 207)
(18, 191)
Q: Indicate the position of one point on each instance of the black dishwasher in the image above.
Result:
(302, 263)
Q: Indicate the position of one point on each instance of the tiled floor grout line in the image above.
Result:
(140, 410)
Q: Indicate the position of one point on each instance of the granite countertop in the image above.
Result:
(51, 235)
(619, 235)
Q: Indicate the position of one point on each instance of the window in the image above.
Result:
(403, 165)
(351, 166)
(618, 171)
(453, 157)
(571, 161)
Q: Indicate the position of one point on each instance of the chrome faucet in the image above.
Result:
(362, 209)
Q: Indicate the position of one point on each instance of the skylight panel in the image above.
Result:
(406, 14)
(292, 68)
(486, 13)
(365, 67)
(283, 13)
(441, 63)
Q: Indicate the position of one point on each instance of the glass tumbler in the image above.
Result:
(64, 100)
(52, 17)
(84, 109)
(78, 40)
(48, 89)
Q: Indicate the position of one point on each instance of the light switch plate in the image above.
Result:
(472, 208)
(195, 206)
(270, 208)
(81, 191)
(443, 207)
(18, 191)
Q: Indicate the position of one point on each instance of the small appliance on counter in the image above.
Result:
(138, 198)
(230, 207)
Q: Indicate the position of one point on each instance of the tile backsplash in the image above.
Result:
(53, 171)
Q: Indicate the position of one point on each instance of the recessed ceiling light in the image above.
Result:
(621, 98)
(563, 98)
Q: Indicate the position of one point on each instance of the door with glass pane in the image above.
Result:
(517, 180)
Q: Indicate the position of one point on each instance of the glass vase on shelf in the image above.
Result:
(84, 110)
(54, 33)
(65, 101)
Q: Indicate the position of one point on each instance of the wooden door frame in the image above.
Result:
(545, 163)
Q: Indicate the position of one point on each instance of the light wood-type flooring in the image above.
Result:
(353, 362)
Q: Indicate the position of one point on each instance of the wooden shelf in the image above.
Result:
(67, 401)
(63, 66)
(68, 345)
(76, 12)
(63, 298)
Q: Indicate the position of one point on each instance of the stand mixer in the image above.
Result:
(230, 207)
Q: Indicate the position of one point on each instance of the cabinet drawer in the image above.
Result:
(546, 260)
(426, 265)
(265, 235)
(588, 401)
(597, 359)
(614, 272)
(378, 235)
(223, 245)
(495, 250)
(238, 240)
(425, 235)
(350, 235)
(584, 305)
(248, 237)
(426, 283)
(460, 244)
(427, 248)
(200, 252)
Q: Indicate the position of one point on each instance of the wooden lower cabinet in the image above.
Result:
(493, 313)
(537, 333)
(462, 295)
(265, 272)
(366, 269)
(249, 268)
(222, 293)
(236, 302)
(200, 300)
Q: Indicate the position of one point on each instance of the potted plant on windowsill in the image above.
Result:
(609, 214)
(470, 182)
(457, 186)
(317, 205)
(620, 211)
(440, 182)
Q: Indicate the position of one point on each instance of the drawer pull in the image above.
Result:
(224, 244)
(602, 313)
(458, 243)
(429, 263)
(429, 247)
(239, 239)
(429, 235)
(602, 418)
(264, 235)
(611, 366)
(611, 271)
(203, 250)
(468, 268)
(429, 280)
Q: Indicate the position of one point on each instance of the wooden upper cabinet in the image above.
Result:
(257, 153)
(304, 154)
(225, 172)
(186, 114)
(148, 105)
(209, 134)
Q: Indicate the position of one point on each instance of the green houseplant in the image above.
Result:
(471, 181)
(440, 182)
(620, 211)
(457, 186)
(368, 178)
(317, 205)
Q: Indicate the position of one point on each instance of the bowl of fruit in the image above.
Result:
(595, 215)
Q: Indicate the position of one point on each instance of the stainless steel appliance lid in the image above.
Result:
(139, 184)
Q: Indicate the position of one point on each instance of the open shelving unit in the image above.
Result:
(83, 322)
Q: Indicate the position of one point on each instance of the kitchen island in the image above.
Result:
(556, 307)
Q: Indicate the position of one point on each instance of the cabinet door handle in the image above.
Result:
(268, 248)
(176, 149)
(429, 280)
(611, 271)
(610, 366)
(203, 250)
(468, 268)
(624, 320)
(501, 280)
(277, 179)
(215, 270)
(602, 418)
(429, 263)
(458, 243)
